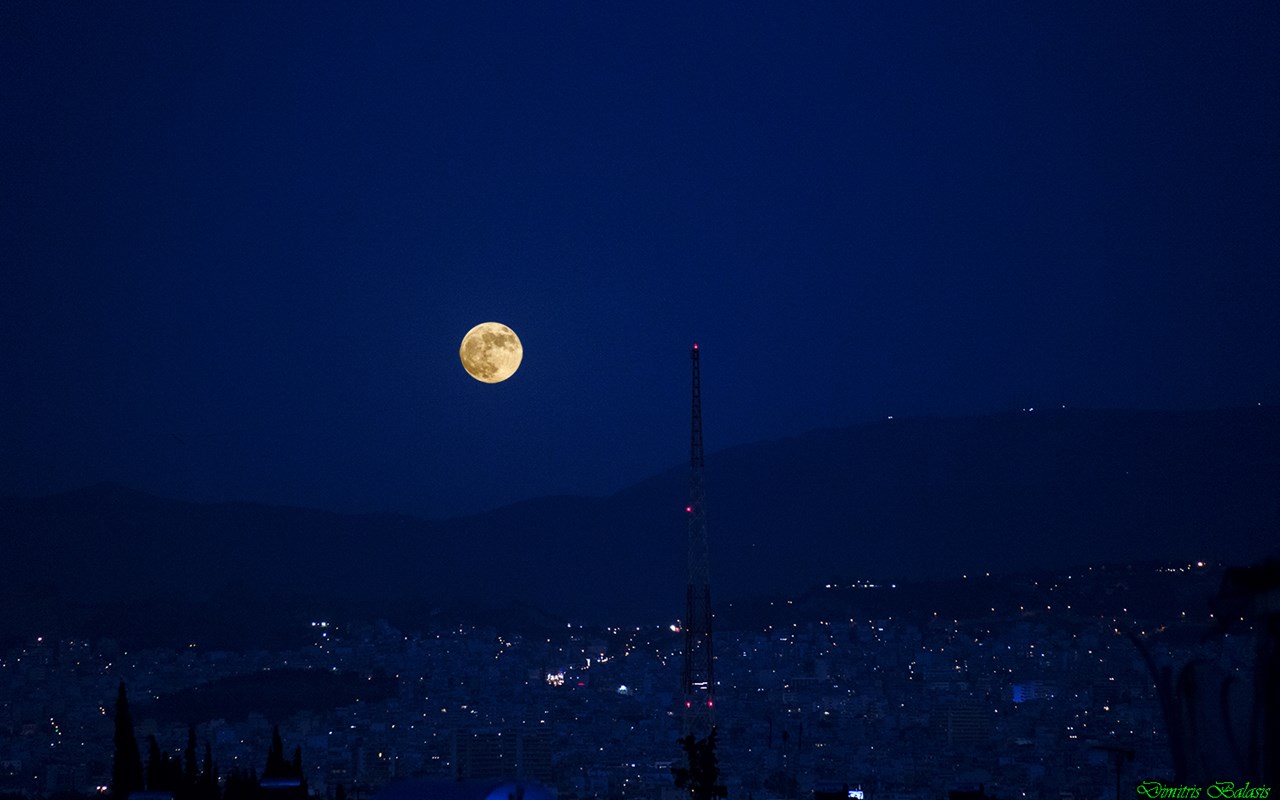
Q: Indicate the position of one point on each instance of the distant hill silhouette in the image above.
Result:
(908, 498)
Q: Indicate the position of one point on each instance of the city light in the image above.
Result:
(944, 658)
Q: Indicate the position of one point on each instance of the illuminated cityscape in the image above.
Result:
(901, 703)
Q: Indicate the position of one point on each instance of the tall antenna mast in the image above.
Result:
(699, 677)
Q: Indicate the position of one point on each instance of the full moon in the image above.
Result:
(491, 352)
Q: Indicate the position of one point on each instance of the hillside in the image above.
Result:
(906, 499)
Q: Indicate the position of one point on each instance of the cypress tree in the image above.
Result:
(241, 785)
(190, 774)
(700, 776)
(277, 767)
(164, 772)
(157, 769)
(126, 764)
(207, 788)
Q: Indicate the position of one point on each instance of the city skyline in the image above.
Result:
(903, 691)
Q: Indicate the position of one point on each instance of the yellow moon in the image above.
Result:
(491, 352)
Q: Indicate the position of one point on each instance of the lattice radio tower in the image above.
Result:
(699, 660)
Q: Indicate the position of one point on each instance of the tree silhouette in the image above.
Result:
(207, 786)
(190, 773)
(164, 772)
(276, 767)
(126, 765)
(241, 785)
(700, 776)
(286, 776)
(155, 766)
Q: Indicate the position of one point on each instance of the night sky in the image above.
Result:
(240, 248)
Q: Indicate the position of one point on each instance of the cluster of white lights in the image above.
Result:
(1187, 568)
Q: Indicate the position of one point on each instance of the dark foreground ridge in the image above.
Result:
(909, 499)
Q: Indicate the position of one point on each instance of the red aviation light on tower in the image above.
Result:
(695, 345)
(688, 509)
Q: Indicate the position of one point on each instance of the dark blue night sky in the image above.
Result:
(241, 246)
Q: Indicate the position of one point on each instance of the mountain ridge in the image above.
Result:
(909, 499)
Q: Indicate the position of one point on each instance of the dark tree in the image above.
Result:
(276, 767)
(126, 765)
(241, 785)
(190, 773)
(164, 772)
(207, 786)
(700, 776)
(286, 776)
(340, 793)
(155, 765)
